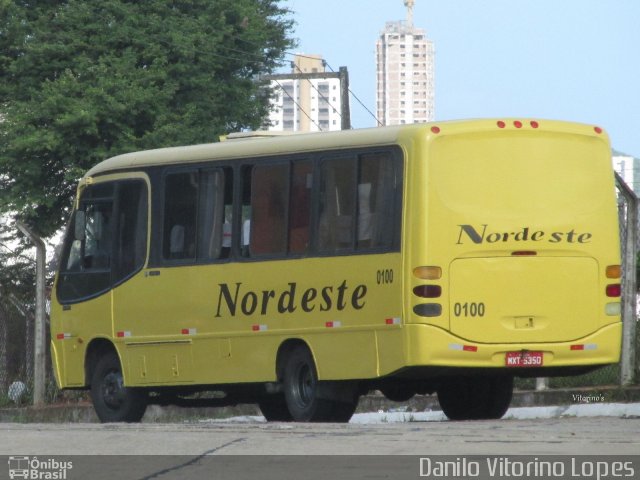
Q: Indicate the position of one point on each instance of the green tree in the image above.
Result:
(83, 80)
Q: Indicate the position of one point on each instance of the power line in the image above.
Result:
(291, 54)
(320, 94)
(330, 68)
(297, 104)
(359, 101)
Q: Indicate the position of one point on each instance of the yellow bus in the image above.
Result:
(300, 272)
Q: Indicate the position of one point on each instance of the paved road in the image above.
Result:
(556, 436)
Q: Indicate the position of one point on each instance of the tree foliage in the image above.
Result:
(83, 80)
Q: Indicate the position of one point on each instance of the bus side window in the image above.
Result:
(97, 236)
(227, 230)
(337, 205)
(180, 207)
(245, 218)
(212, 226)
(300, 207)
(376, 201)
(228, 214)
(267, 230)
(131, 245)
(86, 254)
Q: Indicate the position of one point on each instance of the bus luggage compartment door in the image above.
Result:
(524, 299)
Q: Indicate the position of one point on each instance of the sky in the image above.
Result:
(576, 60)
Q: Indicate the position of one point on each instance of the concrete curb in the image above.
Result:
(82, 412)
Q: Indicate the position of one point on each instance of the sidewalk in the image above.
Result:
(83, 412)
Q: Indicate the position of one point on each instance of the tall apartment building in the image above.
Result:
(405, 73)
(306, 105)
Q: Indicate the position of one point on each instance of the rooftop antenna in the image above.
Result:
(409, 4)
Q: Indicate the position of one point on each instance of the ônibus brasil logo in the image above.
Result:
(38, 469)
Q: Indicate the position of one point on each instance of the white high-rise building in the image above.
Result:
(306, 104)
(405, 73)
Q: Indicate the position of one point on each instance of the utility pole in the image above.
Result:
(345, 114)
(342, 75)
(39, 347)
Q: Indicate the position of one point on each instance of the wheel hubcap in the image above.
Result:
(113, 390)
(305, 386)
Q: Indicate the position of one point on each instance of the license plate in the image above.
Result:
(524, 359)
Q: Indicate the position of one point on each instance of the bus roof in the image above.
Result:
(321, 141)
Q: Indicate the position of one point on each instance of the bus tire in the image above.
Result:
(475, 398)
(501, 394)
(274, 408)
(112, 401)
(453, 399)
(302, 392)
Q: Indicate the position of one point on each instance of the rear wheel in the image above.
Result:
(475, 398)
(309, 400)
(113, 402)
(274, 408)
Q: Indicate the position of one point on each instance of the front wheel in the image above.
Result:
(309, 400)
(112, 401)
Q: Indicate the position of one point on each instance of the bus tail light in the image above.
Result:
(613, 308)
(428, 309)
(614, 271)
(518, 124)
(428, 273)
(584, 346)
(614, 290)
(428, 291)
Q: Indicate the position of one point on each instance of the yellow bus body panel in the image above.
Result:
(227, 327)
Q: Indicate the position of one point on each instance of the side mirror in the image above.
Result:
(80, 225)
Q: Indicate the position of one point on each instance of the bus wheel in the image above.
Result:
(501, 392)
(274, 408)
(113, 402)
(475, 398)
(309, 400)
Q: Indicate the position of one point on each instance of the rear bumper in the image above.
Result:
(430, 346)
